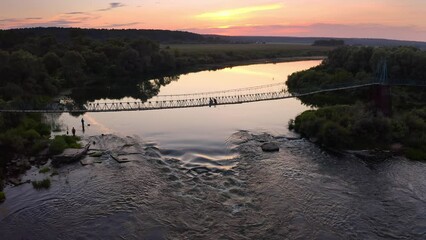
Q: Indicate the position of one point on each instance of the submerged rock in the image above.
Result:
(372, 155)
(201, 170)
(153, 152)
(270, 147)
(70, 155)
(88, 160)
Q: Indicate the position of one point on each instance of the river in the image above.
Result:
(199, 173)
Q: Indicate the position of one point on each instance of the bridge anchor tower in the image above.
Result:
(382, 92)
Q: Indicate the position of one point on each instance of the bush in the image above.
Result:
(2, 197)
(38, 146)
(41, 184)
(60, 143)
(334, 135)
(71, 141)
(415, 154)
(31, 135)
(44, 170)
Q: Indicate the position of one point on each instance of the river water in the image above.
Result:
(200, 174)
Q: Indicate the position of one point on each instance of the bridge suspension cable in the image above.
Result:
(233, 96)
(281, 84)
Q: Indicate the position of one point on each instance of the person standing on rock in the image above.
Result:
(73, 131)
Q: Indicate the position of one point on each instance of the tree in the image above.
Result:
(129, 60)
(51, 62)
(72, 65)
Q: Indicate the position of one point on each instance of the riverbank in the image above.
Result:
(231, 64)
(369, 118)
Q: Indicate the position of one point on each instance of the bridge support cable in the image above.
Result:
(226, 97)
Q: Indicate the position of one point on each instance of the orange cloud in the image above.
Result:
(238, 12)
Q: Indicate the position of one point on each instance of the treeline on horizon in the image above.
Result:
(329, 42)
(12, 37)
(349, 119)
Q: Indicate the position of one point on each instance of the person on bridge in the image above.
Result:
(215, 101)
(73, 131)
(210, 102)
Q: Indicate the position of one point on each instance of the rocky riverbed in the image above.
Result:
(128, 189)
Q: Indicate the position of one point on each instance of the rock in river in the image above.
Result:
(270, 147)
(69, 156)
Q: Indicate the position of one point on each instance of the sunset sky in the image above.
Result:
(394, 19)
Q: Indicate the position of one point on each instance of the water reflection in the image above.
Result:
(144, 90)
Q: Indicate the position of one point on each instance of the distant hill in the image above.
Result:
(66, 34)
(311, 40)
(15, 36)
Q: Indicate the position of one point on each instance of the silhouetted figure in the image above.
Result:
(67, 131)
(73, 131)
(82, 124)
(215, 101)
(210, 102)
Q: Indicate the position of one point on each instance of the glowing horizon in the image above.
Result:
(232, 13)
(392, 19)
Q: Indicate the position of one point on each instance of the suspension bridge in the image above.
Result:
(226, 97)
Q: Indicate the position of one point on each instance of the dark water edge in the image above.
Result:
(300, 192)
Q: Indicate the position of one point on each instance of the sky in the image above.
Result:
(392, 19)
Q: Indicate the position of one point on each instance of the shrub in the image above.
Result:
(60, 143)
(38, 146)
(31, 134)
(54, 173)
(333, 135)
(41, 184)
(44, 170)
(415, 154)
(71, 141)
(2, 197)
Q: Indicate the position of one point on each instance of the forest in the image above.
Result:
(349, 119)
(12, 37)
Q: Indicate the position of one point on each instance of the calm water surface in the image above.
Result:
(200, 174)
